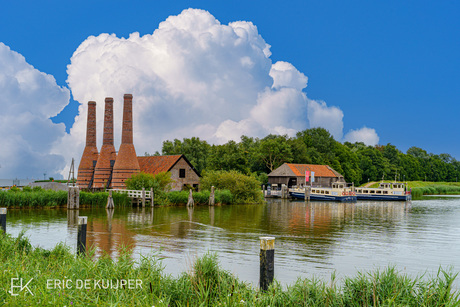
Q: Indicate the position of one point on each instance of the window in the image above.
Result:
(182, 173)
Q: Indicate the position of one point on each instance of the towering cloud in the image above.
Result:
(28, 99)
(194, 77)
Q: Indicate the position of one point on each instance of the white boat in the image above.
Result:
(385, 191)
(337, 192)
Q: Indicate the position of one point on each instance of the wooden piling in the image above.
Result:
(190, 202)
(110, 203)
(267, 262)
(307, 193)
(143, 197)
(151, 197)
(3, 219)
(81, 236)
(73, 198)
(212, 199)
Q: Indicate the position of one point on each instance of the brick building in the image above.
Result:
(294, 175)
(109, 169)
(182, 171)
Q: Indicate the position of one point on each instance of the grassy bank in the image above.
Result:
(58, 278)
(48, 198)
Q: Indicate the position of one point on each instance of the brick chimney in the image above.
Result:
(90, 153)
(107, 156)
(126, 163)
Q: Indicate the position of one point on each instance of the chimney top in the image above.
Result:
(91, 102)
(128, 96)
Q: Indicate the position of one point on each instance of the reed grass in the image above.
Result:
(418, 192)
(206, 285)
(200, 198)
(48, 198)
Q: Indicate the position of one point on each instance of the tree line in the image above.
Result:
(357, 162)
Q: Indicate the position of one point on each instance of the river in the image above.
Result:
(313, 239)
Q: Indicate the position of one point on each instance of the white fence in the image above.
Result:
(134, 194)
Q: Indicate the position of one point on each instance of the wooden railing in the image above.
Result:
(134, 194)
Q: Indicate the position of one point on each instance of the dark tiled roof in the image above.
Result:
(157, 164)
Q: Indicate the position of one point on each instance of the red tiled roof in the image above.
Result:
(320, 170)
(157, 164)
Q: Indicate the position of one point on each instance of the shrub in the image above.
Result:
(245, 189)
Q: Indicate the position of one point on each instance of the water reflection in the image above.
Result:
(312, 238)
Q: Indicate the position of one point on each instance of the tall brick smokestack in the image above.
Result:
(90, 153)
(108, 155)
(126, 163)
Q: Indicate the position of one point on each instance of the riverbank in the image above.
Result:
(37, 197)
(59, 278)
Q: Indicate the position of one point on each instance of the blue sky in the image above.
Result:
(390, 66)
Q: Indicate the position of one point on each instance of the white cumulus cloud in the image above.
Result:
(366, 135)
(28, 99)
(193, 76)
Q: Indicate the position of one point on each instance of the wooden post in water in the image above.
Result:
(190, 202)
(212, 199)
(143, 197)
(110, 203)
(263, 190)
(81, 236)
(307, 193)
(151, 197)
(73, 198)
(3, 219)
(267, 261)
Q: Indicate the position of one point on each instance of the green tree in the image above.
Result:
(274, 150)
(196, 151)
(228, 157)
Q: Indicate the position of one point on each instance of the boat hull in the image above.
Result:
(339, 198)
(406, 197)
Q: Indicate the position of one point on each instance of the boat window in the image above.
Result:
(385, 192)
(327, 192)
(379, 192)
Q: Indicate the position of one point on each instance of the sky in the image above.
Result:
(378, 72)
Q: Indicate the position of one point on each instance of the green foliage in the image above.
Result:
(196, 151)
(200, 198)
(357, 162)
(245, 189)
(206, 285)
(49, 198)
(160, 183)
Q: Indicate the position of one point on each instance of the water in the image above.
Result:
(312, 239)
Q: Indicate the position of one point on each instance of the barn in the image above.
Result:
(291, 175)
(182, 171)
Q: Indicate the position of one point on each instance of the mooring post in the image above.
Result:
(143, 197)
(77, 198)
(151, 197)
(267, 261)
(81, 236)
(190, 202)
(3, 219)
(110, 203)
(212, 199)
(263, 190)
(73, 198)
(307, 193)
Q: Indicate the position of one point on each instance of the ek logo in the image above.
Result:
(20, 286)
